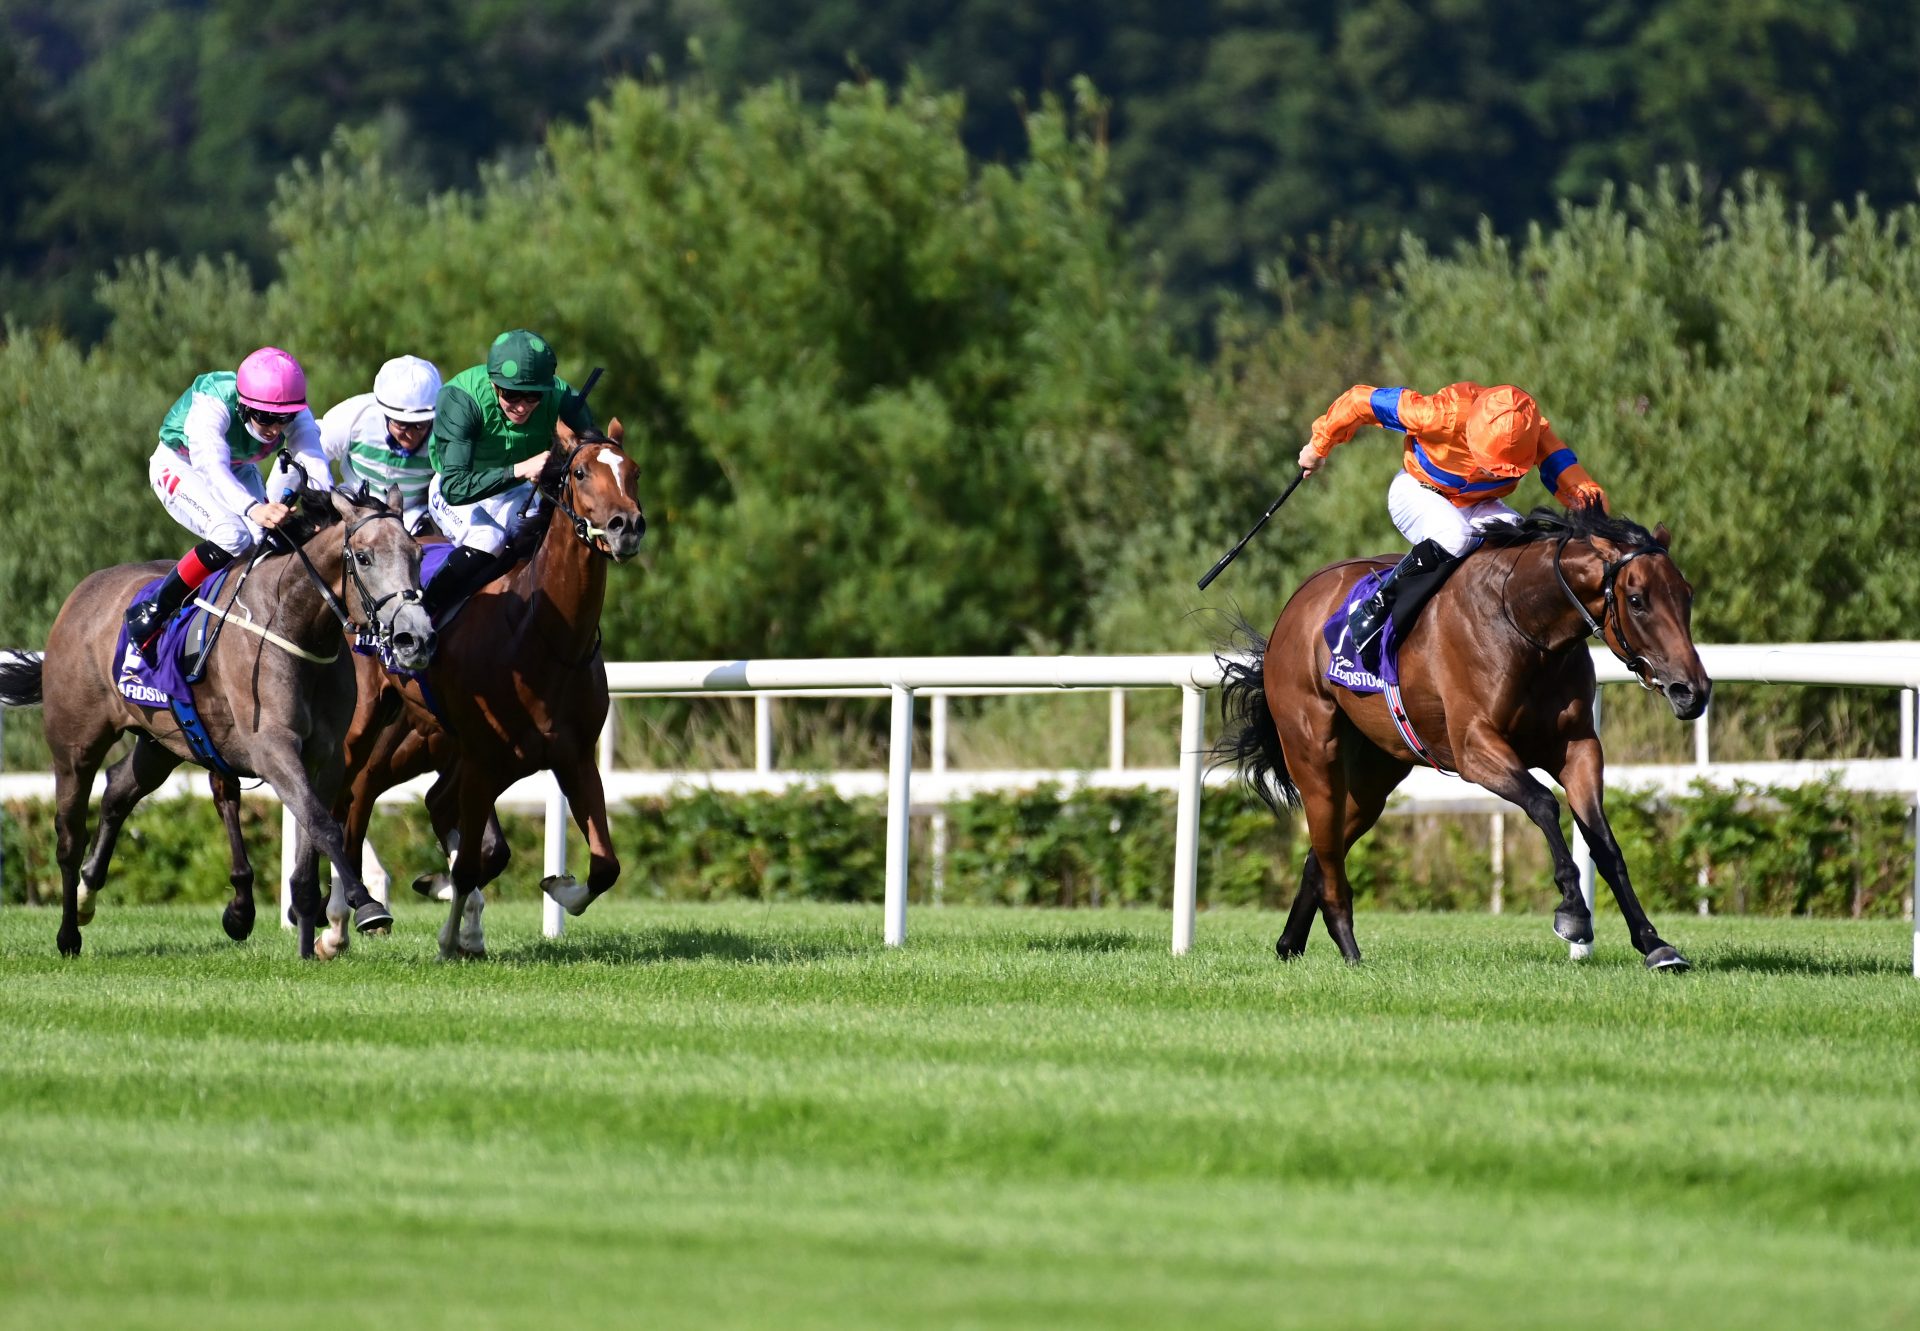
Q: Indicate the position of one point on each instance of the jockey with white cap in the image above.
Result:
(380, 437)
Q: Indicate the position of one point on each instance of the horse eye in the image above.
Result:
(363, 559)
(579, 473)
(1636, 601)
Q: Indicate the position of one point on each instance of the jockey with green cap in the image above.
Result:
(493, 426)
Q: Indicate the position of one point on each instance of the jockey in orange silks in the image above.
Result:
(1467, 447)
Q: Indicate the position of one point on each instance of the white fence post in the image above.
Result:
(1117, 730)
(553, 916)
(1186, 827)
(289, 833)
(938, 764)
(762, 733)
(899, 813)
(1497, 849)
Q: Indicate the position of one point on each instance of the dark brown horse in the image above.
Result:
(522, 687)
(276, 698)
(1497, 679)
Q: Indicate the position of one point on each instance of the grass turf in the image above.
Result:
(734, 1115)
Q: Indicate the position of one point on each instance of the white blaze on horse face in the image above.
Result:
(616, 464)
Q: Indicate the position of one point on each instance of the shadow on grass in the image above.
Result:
(1766, 961)
(637, 947)
(1090, 940)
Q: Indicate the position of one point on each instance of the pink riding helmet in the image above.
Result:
(271, 380)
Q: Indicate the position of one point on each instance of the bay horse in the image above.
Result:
(1496, 679)
(275, 700)
(521, 687)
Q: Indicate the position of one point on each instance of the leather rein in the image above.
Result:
(1641, 668)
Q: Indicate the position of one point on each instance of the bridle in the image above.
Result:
(590, 535)
(1641, 668)
(375, 635)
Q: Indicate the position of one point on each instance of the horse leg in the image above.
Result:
(237, 918)
(1580, 775)
(580, 782)
(137, 775)
(1323, 792)
(278, 760)
(1489, 761)
(1367, 775)
(443, 808)
(1306, 903)
(463, 934)
(73, 770)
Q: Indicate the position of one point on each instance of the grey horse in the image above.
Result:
(276, 699)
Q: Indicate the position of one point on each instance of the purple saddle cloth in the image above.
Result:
(1362, 670)
(153, 685)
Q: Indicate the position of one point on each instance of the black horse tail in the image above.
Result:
(20, 678)
(1249, 743)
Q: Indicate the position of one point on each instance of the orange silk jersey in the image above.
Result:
(1436, 452)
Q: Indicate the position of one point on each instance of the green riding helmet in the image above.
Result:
(521, 360)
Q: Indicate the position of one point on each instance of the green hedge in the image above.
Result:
(1815, 850)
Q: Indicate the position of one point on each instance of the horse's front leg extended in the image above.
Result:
(1489, 761)
(279, 761)
(580, 782)
(1582, 776)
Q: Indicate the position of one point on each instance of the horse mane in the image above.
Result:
(1576, 524)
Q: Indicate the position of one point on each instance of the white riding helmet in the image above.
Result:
(406, 387)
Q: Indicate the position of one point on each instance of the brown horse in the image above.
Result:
(522, 688)
(1496, 678)
(275, 700)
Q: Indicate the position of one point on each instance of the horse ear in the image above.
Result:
(342, 505)
(395, 500)
(1663, 536)
(616, 431)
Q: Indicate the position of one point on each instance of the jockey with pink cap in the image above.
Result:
(207, 472)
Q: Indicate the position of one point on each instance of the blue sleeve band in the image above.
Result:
(1386, 407)
(1551, 469)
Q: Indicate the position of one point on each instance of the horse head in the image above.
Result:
(380, 577)
(1646, 610)
(594, 485)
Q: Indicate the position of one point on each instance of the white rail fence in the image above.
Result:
(1890, 665)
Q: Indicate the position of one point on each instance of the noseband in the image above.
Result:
(1641, 668)
(373, 635)
(586, 531)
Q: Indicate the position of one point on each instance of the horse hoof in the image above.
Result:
(434, 886)
(325, 949)
(1286, 951)
(1572, 927)
(237, 921)
(69, 940)
(373, 918)
(573, 895)
(1666, 957)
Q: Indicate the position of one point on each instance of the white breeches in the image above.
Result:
(1423, 515)
(195, 505)
(485, 525)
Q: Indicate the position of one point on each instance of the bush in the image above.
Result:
(1815, 850)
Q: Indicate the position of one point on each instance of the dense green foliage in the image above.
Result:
(1238, 130)
(1816, 850)
(756, 1115)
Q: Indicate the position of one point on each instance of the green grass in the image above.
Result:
(756, 1116)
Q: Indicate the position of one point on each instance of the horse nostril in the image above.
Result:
(616, 524)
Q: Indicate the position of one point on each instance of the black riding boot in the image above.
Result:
(465, 572)
(146, 619)
(1372, 614)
